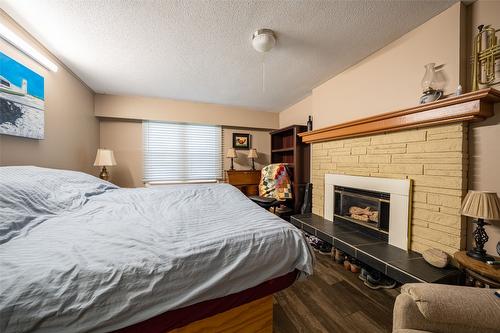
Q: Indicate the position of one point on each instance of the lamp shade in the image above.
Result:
(104, 157)
(252, 153)
(231, 153)
(484, 205)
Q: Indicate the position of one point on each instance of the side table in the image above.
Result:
(247, 181)
(478, 273)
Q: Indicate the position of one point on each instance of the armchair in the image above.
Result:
(425, 307)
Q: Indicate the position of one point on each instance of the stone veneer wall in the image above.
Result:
(435, 158)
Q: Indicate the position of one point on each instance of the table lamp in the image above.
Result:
(253, 155)
(104, 158)
(480, 205)
(231, 153)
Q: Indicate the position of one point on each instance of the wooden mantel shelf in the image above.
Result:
(477, 105)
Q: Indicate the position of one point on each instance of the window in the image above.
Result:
(181, 152)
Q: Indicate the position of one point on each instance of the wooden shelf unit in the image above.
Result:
(287, 147)
(282, 150)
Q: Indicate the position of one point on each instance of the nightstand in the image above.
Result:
(478, 273)
(247, 181)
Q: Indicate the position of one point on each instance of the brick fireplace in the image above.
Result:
(426, 144)
(434, 158)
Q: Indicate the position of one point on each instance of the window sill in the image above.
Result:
(179, 182)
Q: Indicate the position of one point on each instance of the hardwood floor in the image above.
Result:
(333, 300)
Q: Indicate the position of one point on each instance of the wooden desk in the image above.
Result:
(478, 273)
(246, 180)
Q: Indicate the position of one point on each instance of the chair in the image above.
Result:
(275, 187)
(425, 307)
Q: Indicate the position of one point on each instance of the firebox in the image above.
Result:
(367, 209)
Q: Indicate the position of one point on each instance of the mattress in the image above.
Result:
(79, 254)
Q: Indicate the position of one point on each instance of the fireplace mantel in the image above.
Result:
(474, 106)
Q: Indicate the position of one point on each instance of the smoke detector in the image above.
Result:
(263, 40)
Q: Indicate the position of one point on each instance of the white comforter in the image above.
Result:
(116, 257)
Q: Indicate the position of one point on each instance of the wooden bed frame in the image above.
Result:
(256, 316)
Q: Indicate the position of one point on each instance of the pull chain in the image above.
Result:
(263, 72)
(263, 77)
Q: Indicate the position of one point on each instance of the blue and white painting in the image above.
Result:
(22, 100)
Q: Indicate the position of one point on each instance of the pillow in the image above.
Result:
(29, 195)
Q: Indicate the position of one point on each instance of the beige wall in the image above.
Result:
(125, 138)
(297, 114)
(121, 129)
(71, 129)
(134, 107)
(261, 140)
(389, 79)
(484, 169)
(485, 136)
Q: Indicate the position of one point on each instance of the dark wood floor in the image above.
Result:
(333, 300)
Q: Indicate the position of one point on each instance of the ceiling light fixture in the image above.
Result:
(263, 40)
(9, 36)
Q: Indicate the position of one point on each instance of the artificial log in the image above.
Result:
(360, 211)
(359, 217)
(363, 214)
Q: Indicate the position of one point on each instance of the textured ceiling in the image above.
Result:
(201, 51)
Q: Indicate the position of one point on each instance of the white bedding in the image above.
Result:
(114, 257)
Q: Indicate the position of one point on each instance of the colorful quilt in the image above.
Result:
(275, 182)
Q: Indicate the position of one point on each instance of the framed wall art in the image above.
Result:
(22, 100)
(241, 141)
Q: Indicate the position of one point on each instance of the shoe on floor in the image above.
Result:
(385, 282)
(374, 277)
(315, 242)
(325, 248)
(364, 273)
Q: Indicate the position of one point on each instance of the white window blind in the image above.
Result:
(181, 152)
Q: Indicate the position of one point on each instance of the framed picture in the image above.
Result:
(241, 141)
(22, 100)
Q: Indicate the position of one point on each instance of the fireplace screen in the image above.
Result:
(367, 208)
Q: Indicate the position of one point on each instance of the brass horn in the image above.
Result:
(484, 57)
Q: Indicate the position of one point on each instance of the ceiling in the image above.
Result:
(200, 50)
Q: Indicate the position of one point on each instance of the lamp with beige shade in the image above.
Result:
(253, 155)
(231, 153)
(104, 158)
(481, 205)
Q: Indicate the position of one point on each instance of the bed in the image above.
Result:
(79, 254)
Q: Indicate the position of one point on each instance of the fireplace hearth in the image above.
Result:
(367, 209)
